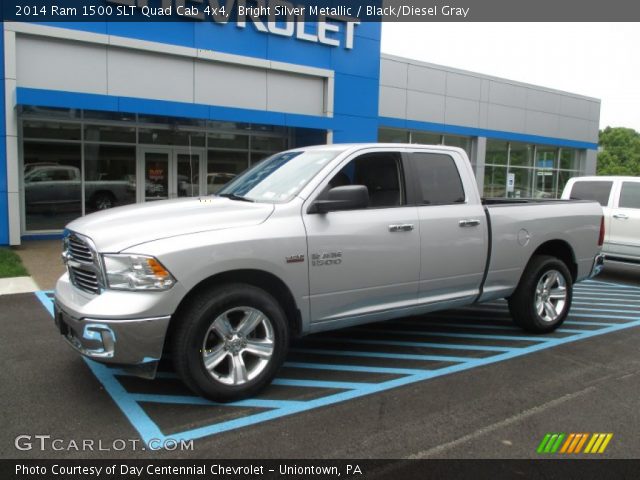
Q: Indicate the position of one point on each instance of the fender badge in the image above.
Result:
(295, 259)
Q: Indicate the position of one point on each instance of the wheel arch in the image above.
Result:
(561, 250)
(267, 281)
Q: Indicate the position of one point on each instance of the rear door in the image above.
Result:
(364, 262)
(625, 221)
(453, 228)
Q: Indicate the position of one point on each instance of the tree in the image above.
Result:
(619, 152)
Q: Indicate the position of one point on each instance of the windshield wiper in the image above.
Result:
(233, 196)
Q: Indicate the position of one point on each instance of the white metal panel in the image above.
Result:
(463, 86)
(150, 75)
(425, 79)
(230, 85)
(426, 107)
(393, 102)
(393, 74)
(293, 93)
(463, 112)
(61, 65)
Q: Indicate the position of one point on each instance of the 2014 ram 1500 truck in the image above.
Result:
(308, 240)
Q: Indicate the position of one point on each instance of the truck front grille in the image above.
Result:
(83, 264)
(79, 250)
(84, 279)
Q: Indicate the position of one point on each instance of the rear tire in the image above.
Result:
(230, 342)
(543, 297)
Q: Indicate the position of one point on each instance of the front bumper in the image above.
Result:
(598, 264)
(126, 328)
(130, 342)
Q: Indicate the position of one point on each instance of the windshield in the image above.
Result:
(280, 177)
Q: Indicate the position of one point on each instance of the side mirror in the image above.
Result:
(348, 197)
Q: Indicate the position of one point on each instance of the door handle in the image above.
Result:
(469, 223)
(404, 227)
(620, 216)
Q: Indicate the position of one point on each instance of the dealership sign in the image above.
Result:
(334, 27)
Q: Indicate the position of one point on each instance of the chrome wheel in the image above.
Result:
(551, 296)
(238, 345)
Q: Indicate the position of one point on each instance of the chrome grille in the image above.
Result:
(79, 250)
(83, 264)
(84, 279)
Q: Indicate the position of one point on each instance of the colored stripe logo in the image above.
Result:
(574, 443)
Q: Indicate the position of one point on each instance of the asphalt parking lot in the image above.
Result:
(456, 384)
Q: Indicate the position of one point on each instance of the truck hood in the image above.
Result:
(124, 227)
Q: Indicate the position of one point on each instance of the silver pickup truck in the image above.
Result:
(308, 240)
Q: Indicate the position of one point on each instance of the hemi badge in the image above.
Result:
(295, 259)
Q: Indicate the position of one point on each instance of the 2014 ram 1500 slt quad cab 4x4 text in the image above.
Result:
(308, 240)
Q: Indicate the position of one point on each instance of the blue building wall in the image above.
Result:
(4, 195)
(356, 70)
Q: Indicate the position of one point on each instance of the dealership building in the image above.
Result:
(106, 114)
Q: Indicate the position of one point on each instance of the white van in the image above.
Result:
(620, 200)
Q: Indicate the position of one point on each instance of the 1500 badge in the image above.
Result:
(328, 258)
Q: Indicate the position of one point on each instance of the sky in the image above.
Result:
(600, 60)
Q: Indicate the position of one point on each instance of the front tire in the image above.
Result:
(230, 341)
(541, 301)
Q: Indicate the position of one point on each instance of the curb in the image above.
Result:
(17, 285)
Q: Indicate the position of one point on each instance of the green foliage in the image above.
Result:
(10, 264)
(619, 152)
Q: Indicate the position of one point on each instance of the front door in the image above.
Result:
(365, 262)
(169, 173)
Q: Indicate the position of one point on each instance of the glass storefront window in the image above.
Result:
(162, 136)
(569, 159)
(228, 140)
(458, 141)
(497, 152)
(109, 176)
(110, 116)
(50, 130)
(268, 144)
(521, 155)
(495, 182)
(52, 183)
(392, 135)
(223, 166)
(49, 112)
(563, 178)
(109, 133)
(426, 138)
(523, 183)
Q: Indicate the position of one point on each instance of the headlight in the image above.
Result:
(136, 272)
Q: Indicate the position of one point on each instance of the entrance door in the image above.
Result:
(169, 173)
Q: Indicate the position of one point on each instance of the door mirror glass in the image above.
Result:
(348, 197)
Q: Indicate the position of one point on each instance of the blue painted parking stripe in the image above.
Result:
(589, 322)
(481, 336)
(399, 356)
(45, 301)
(352, 368)
(587, 309)
(295, 382)
(148, 429)
(443, 324)
(589, 294)
(607, 304)
(192, 400)
(341, 397)
(608, 284)
(402, 343)
(618, 317)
